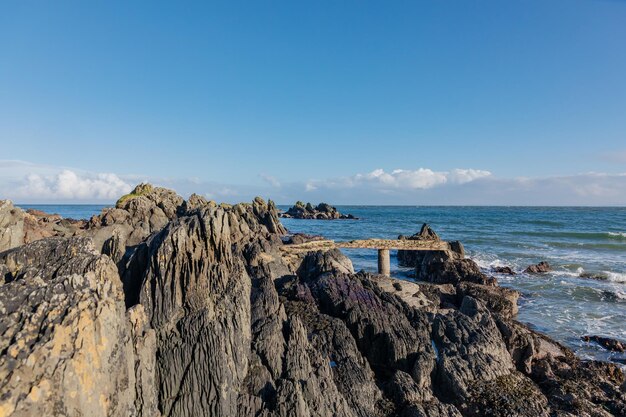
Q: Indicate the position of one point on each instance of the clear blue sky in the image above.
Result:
(233, 92)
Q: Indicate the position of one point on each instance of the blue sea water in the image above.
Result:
(574, 240)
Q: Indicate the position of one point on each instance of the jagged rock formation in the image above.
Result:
(145, 210)
(441, 267)
(69, 347)
(11, 226)
(608, 343)
(19, 227)
(322, 211)
(217, 322)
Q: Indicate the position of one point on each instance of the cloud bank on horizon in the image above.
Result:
(32, 183)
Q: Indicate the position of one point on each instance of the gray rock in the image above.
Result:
(504, 270)
(470, 350)
(322, 211)
(497, 299)
(608, 343)
(540, 268)
(415, 259)
(68, 347)
(215, 319)
(11, 226)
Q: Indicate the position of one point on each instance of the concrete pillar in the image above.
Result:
(384, 267)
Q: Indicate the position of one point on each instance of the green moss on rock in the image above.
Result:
(141, 189)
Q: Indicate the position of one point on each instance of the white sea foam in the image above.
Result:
(576, 273)
(615, 276)
(488, 262)
(618, 234)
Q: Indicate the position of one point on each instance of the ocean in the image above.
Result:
(576, 241)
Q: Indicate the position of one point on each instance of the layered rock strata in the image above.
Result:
(193, 310)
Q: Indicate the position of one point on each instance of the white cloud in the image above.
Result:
(26, 182)
(400, 178)
(466, 186)
(70, 185)
(462, 176)
(419, 179)
(270, 180)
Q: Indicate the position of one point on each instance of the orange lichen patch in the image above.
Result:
(87, 357)
(61, 341)
(6, 408)
(39, 391)
(104, 403)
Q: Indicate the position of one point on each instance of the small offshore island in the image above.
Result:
(322, 211)
(163, 306)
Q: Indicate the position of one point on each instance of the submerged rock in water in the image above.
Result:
(504, 270)
(608, 343)
(206, 315)
(540, 268)
(593, 275)
(322, 211)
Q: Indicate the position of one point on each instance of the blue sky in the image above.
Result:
(455, 102)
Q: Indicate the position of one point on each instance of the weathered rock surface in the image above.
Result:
(19, 227)
(202, 313)
(11, 226)
(322, 211)
(416, 258)
(497, 299)
(540, 268)
(146, 210)
(507, 270)
(67, 345)
(441, 266)
(608, 343)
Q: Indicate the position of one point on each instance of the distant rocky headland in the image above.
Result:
(322, 211)
(162, 306)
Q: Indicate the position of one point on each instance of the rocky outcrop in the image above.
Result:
(11, 226)
(322, 211)
(68, 347)
(19, 227)
(506, 270)
(497, 299)
(299, 238)
(540, 268)
(440, 266)
(205, 316)
(608, 343)
(146, 210)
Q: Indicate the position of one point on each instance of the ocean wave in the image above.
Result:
(581, 245)
(543, 222)
(615, 276)
(576, 273)
(614, 295)
(488, 262)
(619, 236)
